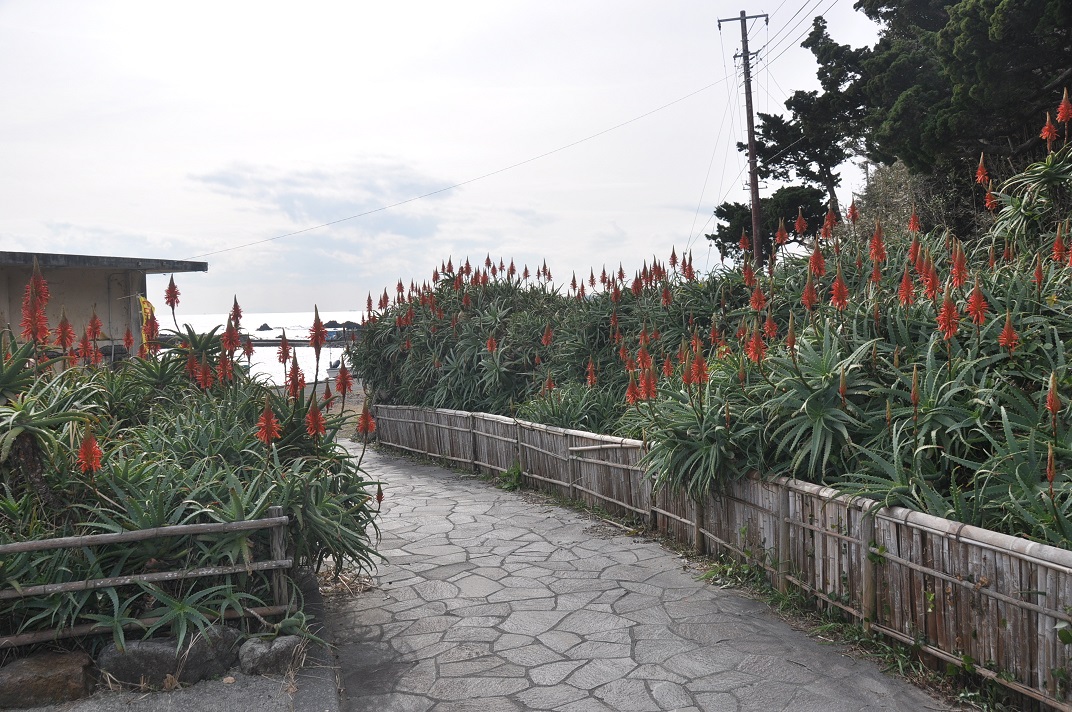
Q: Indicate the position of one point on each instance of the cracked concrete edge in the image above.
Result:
(318, 682)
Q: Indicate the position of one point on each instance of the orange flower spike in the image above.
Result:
(365, 423)
(64, 332)
(247, 347)
(1008, 339)
(854, 213)
(236, 313)
(800, 226)
(839, 292)
(948, 317)
(318, 335)
(877, 247)
(548, 336)
(128, 341)
(991, 200)
(295, 384)
(89, 453)
(756, 349)
(95, 327)
(1048, 133)
(959, 272)
(171, 294)
(913, 222)
(230, 339)
(492, 344)
(268, 428)
(314, 421)
(981, 176)
(816, 263)
(1053, 399)
(977, 305)
(810, 297)
(1059, 253)
(782, 236)
(747, 275)
(1040, 274)
(590, 373)
(745, 244)
(1064, 109)
(770, 327)
(326, 399)
(758, 302)
(344, 381)
(284, 349)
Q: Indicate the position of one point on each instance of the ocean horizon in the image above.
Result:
(265, 361)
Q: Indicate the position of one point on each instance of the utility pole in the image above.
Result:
(753, 173)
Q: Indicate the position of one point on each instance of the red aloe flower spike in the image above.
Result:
(782, 236)
(699, 369)
(95, 326)
(854, 213)
(89, 453)
(314, 421)
(913, 222)
(34, 321)
(205, 376)
(236, 313)
(1064, 110)
(948, 317)
(318, 336)
(128, 341)
(673, 259)
(907, 291)
(839, 293)
(810, 297)
(171, 298)
(801, 225)
(744, 244)
(295, 383)
(1059, 245)
(230, 339)
(247, 348)
(756, 349)
(64, 331)
(758, 301)
(549, 385)
(829, 222)
(590, 373)
(1049, 133)
(667, 297)
(816, 263)
(977, 305)
(548, 336)
(344, 382)
(747, 275)
(1053, 399)
(981, 176)
(1008, 339)
(877, 247)
(268, 428)
(492, 344)
(791, 338)
(365, 423)
(991, 200)
(284, 349)
(632, 392)
(842, 387)
(1040, 275)
(770, 327)
(327, 397)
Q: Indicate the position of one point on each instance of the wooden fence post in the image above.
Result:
(782, 518)
(572, 466)
(868, 588)
(698, 541)
(472, 442)
(278, 542)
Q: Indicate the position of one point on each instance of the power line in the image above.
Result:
(465, 182)
(792, 44)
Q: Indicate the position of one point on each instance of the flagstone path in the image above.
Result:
(496, 601)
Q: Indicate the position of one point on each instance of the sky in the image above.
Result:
(584, 133)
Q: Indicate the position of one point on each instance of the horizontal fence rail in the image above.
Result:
(277, 565)
(985, 601)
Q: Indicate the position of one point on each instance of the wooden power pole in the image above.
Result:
(753, 173)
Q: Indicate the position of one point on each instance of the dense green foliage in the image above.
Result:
(912, 390)
(173, 449)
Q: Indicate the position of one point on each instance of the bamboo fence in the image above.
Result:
(983, 601)
(276, 522)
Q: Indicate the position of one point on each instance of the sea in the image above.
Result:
(265, 362)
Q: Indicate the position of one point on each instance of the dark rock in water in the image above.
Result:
(270, 657)
(44, 679)
(264, 327)
(332, 324)
(151, 661)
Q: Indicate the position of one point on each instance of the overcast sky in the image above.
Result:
(187, 130)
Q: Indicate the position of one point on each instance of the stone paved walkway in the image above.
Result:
(495, 601)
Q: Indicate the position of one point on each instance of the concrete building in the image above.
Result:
(84, 283)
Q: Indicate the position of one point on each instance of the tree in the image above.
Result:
(781, 205)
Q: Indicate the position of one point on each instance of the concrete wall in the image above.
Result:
(113, 293)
